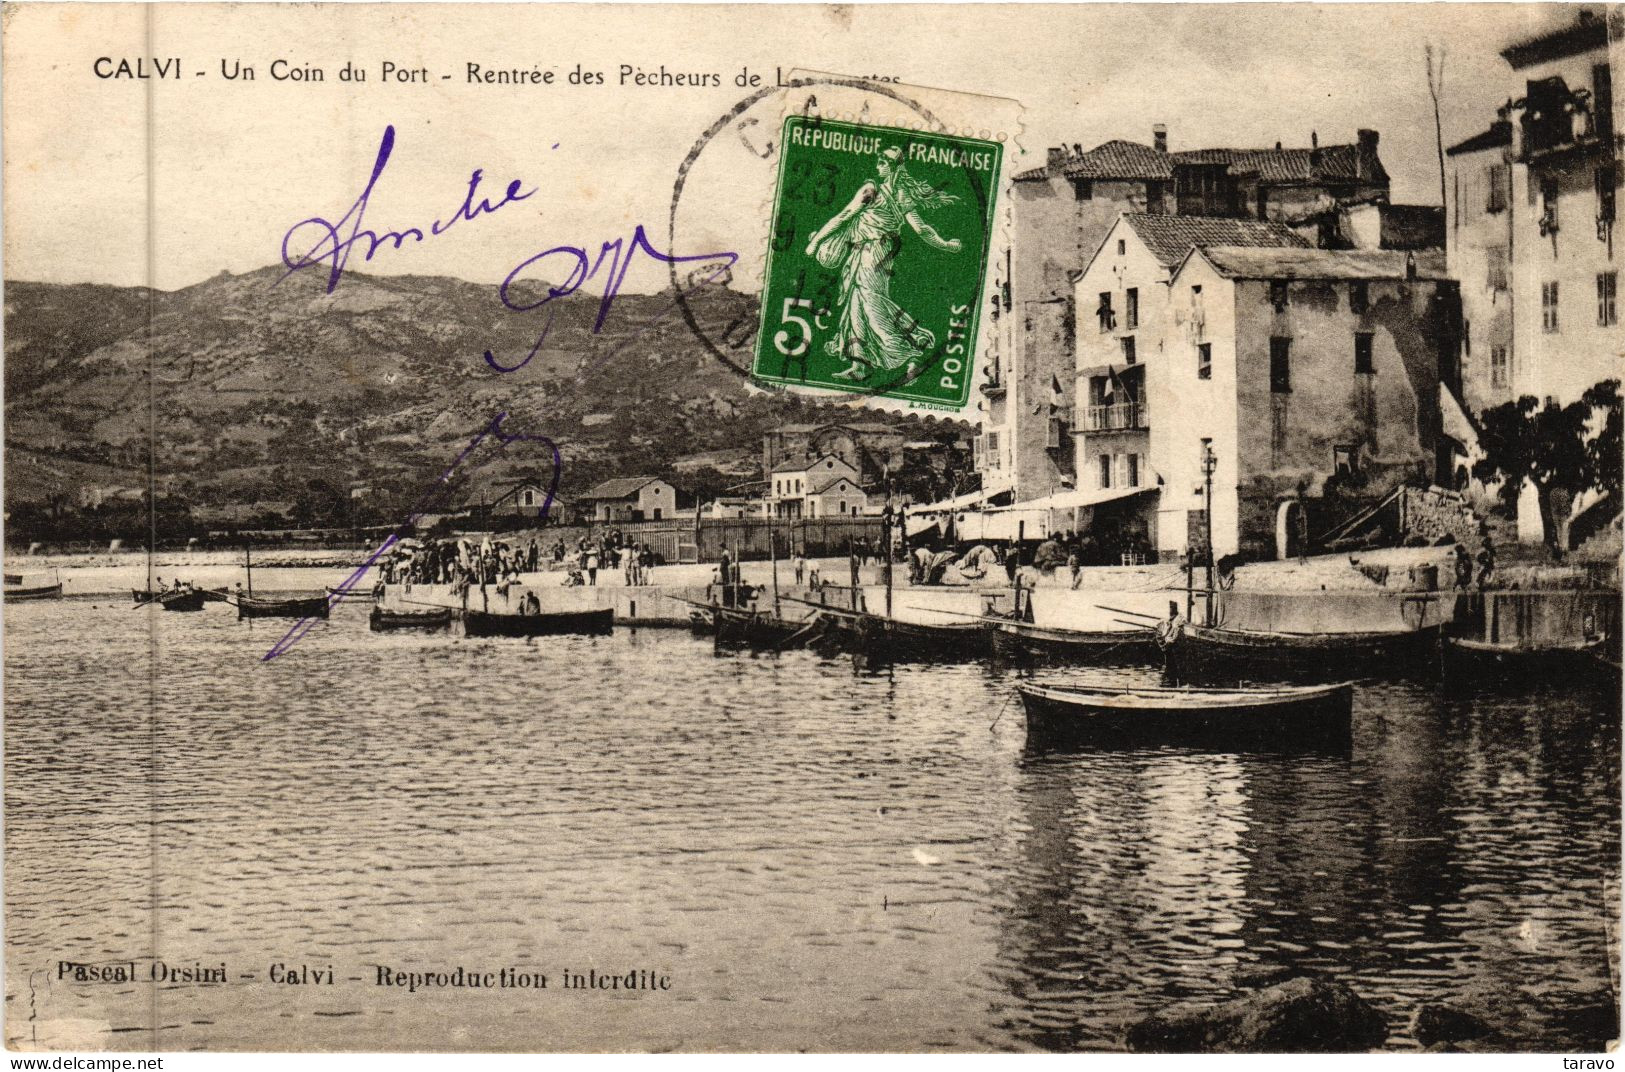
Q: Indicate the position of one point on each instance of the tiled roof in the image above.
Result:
(1169, 238)
(801, 465)
(1589, 31)
(1251, 262)
(1498, 136)
(620, 488)
(1119, 160)
(1337, 163)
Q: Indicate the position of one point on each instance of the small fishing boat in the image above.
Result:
(381, 620)
(182, 599)
(1023, 641)
(1215, 654)
(19, 592)
(894, 640)
(252, 606)
(761, 628)
(298, 607)
(1265, 718)
(590, 622)
(1467, 659)
(164, 595)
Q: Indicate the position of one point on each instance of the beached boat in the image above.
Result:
(1263, 718)
(593, 622)
(18, 592)
(298, 607)
(1214, 654)
(1024, 640)
(381, 620)
(1467, 660)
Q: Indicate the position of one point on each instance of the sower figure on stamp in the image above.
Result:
(862, 242)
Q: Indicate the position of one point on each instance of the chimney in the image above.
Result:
(1366, 156)
(1159, 137)
(1277, 146)
(1314, 151)
(1314, 139)
(1056, 157)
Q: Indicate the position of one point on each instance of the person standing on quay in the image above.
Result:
(592, 567)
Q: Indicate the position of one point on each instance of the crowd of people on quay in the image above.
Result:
(461, 561)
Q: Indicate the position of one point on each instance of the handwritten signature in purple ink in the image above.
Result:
(428, 501)
(620, 255)
(315, 241)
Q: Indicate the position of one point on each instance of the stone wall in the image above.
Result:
(1434, 513)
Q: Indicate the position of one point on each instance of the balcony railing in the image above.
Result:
(1123, 417)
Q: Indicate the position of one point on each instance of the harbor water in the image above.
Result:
(810, 855)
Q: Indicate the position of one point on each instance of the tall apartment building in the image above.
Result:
(1531, 217)
(1061, 212)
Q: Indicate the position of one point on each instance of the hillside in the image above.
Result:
(263, 392)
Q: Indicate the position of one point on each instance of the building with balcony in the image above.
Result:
(1531, 214)
(1314, 378)
(1121, 342)
(1061, 211)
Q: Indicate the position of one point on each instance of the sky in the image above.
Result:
(165, 182)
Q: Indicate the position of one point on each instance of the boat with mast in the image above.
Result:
(249, 606)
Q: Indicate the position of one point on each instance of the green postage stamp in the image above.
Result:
(876, 271)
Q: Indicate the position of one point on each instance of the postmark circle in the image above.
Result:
(740, 334)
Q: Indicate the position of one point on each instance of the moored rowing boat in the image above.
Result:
(1469, 660)
(300, 607)
(381, 620)
(1023, 640)
(1215, 654)
(1263, 718)
(18, 592)
(591, 622)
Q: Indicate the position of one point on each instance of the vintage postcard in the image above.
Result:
(702, 528)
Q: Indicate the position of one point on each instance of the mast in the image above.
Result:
(248, 566)
(1015, 574)
(1208, 464)
(773, 555)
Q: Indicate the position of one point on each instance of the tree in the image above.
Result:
(1607, 461)
(1545, 445)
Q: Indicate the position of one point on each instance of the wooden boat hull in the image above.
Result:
(888, 639)
(759, 629)
(1274, 719)
(38, 591)
(1023, 641)
(303, 607)
(1200, 654)
(188, 601)
(589, 622)
(1471, 661)
(381, 620)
